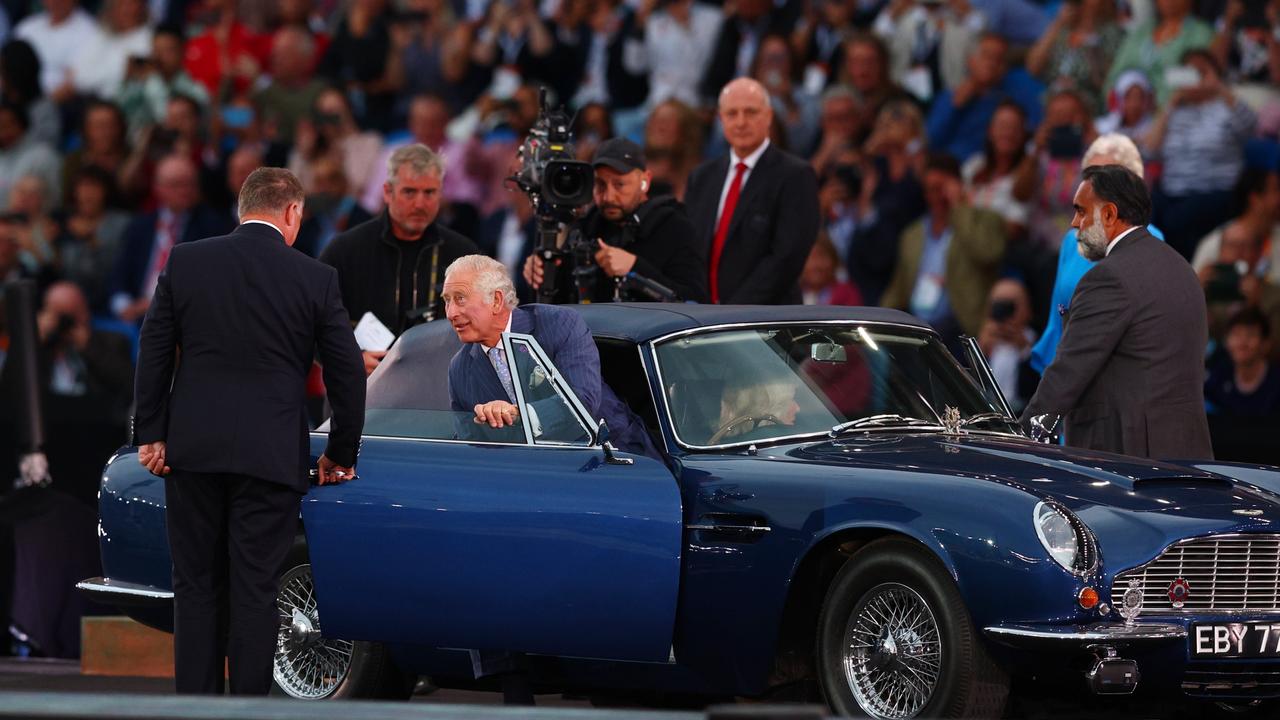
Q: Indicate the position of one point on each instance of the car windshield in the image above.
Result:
(755, 385)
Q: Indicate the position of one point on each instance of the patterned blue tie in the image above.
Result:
(504, 372)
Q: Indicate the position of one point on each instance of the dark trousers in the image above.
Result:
(229, 535)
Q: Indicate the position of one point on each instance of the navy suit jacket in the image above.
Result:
(248, 314)
(565, 338)
(140, 237)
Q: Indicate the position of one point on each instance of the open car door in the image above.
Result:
(529, 538)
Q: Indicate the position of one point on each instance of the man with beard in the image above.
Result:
(629, 234)
(1129, 372)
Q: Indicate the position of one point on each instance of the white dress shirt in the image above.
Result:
(1112, 244)
(750, 162)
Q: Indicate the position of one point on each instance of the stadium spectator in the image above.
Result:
(293, 89)
(20, 85)
(674, 131)
(958, 118)
(104, 145)
(841, 126)
(331, 208)
(332, 129)
(1257, 200)
(228, 56)
(98, 67)
(742, 29)
(989, 177)
(1156, 46)
(673, 42)
(57, 34)
(928, 42)
(819, 36)
(1006, 338)
(820, 283)
(1048, 176)
(948, 260)
(865, 66)
(30, 203)
(88, 370)
(794, 106)
(1199, 136)
(90, 236)
(148, 238)
(150, 82)
(1247, 47)
(1246, 385)
(21, 154)
(1135, 108)
(1077, 50)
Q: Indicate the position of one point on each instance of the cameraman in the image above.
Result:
(626, 234)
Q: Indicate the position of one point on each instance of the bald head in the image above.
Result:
(746, 115)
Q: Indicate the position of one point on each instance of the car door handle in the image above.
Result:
(743, 528)
(314, 475)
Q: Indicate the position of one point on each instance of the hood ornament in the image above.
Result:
(1131, 602)
(951, 420)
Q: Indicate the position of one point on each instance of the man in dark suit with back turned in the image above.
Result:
(243, 316)
(1129, 373)
(480, 303)
(755, 210)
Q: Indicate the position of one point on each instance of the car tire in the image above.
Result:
(309, 666)
(899, 600)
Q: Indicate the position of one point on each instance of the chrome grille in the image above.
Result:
(1228, 573)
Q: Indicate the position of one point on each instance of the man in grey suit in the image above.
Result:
(1129, 373)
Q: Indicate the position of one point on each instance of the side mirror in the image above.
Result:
(602, 437)
(1043, 427)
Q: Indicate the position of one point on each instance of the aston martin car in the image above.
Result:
(840, 503)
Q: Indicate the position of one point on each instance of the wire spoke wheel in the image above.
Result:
(892, 654)
(307, 666)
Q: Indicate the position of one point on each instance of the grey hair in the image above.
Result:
(1120, 148)
(841, 92)
(491, 277)
(269, 190)
(418, 157)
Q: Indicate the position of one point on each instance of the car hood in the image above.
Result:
(1135, 507)
(1076, 477)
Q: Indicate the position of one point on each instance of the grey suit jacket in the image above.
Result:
(1129, 373)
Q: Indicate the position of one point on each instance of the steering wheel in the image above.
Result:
(756, 421)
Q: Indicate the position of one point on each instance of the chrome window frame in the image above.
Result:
(742, 445)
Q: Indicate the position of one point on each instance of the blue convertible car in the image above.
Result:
(839, 504)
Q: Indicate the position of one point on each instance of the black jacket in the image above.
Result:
(248, 314)
(368, 259)
(663, 241)
(771, 232)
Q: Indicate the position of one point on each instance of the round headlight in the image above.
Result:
(1058, 535)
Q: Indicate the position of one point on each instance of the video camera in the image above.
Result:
(556, 184)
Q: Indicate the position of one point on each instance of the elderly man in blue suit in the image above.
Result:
(480, 302)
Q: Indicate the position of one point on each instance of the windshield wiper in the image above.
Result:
(884, 420)
(983, 417)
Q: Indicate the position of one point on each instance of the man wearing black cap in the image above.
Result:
(642, 248)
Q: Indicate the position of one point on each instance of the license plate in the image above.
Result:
(1236, 640)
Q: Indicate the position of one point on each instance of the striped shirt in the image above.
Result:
(1203, 148)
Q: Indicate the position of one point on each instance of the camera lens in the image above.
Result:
(567, 183)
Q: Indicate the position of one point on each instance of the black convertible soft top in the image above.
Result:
(414, 373)
(641, 322)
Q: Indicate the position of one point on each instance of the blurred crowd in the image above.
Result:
(947, 137)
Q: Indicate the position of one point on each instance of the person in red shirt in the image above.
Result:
(226, 52)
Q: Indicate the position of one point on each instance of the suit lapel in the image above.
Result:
(753, 188)
(707, 221)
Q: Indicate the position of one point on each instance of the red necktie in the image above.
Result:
(722, 227)
(166, 244)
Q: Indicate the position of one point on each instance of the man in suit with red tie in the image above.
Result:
(755, 210)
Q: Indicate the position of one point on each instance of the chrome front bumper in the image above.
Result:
(1116, 634)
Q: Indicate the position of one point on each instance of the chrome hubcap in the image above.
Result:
(307, 665)
(892, 652)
